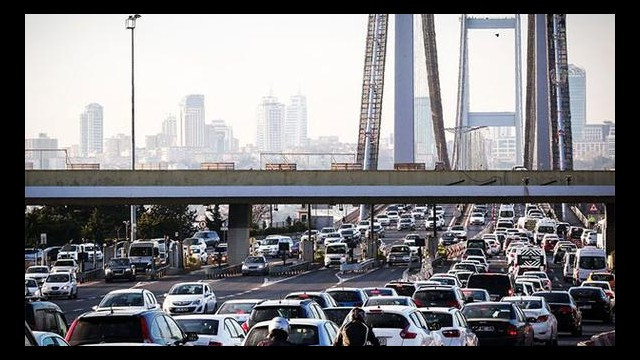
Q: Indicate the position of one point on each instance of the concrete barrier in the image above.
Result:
(361, 266)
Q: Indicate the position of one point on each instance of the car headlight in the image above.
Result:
(127, 269)
(260, 266)
(65, 287)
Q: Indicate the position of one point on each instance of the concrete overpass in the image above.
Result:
(241, 188)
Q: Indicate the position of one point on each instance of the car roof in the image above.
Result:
(438, 309)
(242, 301)
(405, 310)
(295, 321)
(202, 316)
(122, 311)
(343, 289)
(43, 305)
(525, 298)
(189, 283)
(127, 291)
(286, 302)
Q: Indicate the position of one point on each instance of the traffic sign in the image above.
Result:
(593, 208)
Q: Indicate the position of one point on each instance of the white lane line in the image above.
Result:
(266, 281)
(353, 277)
(143, 283)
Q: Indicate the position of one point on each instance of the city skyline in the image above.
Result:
(277, 61)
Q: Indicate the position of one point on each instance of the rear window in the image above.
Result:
(475, 294)
(602, 277)
(478, 244)
(319, 299)
(434, 297)
(488, 311)
(494, 284)
(268, 313)
(557, 298)
(122, 300)
(385, 300)
(336, 315)
(379, 292)
(107, 329)
(199, 326)
(386, 320)
(592, 262)
(236, 308)
(299, 335)
(527, 304)
(586, 293)
(445, 320)
(404, 290)
(336, 250)
(345, 296)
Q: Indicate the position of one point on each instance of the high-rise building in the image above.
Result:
(220, 137)
(270, 125)
(91, 130)
(192, 121)
(295, 125)
(40, 152)
(118, 146)
(169, 131)
(577, 101)
(423, 130)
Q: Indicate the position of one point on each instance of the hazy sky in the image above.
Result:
(234, 60)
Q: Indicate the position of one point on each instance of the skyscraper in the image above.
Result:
(43, 159)
(270, 125)
(295, 125)
(169, 130)
(577, 101)
(192, 121)
(220, 137)
(423, 130)
(91, 130)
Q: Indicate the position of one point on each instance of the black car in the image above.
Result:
(289, 308)
(593, 303)
(127, 326)
(497, 285)
(403, 288)
(120, 268)
(564, 309)
(498, 323)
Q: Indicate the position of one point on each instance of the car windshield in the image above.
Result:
(120, 262)
(433, 297)
(336, 250)
(477, 295)
(270, 241)
(190, 289)
(107, 329)
(30, 283)
(347, 232)
(526, 304)
(37, 270)
(488, 311)
(386, 300)
(236, 308)
(444, 319)
(206, 235)
(58, 278)
(255, 259)
(546, 229)
(457, 228)
(199, 326)
(140, 251)
(592, 262)
(345, 296)
(585, 292)
(337, 315)
(400, 249)
(604, 285)
(265, 313)
(122, 300)
(602, 277)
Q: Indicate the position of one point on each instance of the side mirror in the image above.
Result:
(165, 294)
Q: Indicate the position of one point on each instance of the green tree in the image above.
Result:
(215, 223)
(160, 220)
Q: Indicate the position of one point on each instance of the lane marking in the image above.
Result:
(353, 277)
(89, 283)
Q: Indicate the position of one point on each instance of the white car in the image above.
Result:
(69, 251)
(198, 247)
(346, 226)
(589, 238)
(459, 231)
(477, 218)
(324, 232)
(453, 326)
(310, 332)
(66, 265)
(32, 287)
(212, 330)
(406, 223)
(132, 299)
(396, 325)
(332, 238)
(60, 284)
(190, 297)
(393, 216)
(91, 250)
(239, 309)
(44, 338)
(38, 273)
(363, 226)
(568, 265)
(383, 219)
(546, 282)
(545, 324)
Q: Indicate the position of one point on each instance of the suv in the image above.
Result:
(119, 268)
(211, 238)
(291, 309)
(127, 326)
(128, 299)
(593, 303)
(498, 285)
(439, 296)
(45, 316)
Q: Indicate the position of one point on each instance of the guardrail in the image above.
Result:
(361, 266)
(159, 272)
(217, 272)
(280, 270)
(603, 339)
(90, 275)
(583, 219)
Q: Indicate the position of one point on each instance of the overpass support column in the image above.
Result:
(238, 239)
(609, 232)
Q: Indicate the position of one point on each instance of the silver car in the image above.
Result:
(311, 332)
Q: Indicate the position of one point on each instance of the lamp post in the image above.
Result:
(130, 23)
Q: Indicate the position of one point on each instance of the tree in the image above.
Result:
(289, 221)
(215, 222)
(160, 220)
(258, 212)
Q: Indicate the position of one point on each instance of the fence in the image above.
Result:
(217, 166)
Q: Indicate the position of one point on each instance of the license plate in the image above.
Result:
(586, 307)
(181, 310)
(383, 341)
(485, 328)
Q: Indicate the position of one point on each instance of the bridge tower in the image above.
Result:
(466, 118)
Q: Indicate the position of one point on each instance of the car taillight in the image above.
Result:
(406, 334)
(451, 333)
(542, 318)
(418, 302)
(565, 310)
(70, 331)
(245, 326)
(453, 303)
(510, 291)
(512, 330)
(215, 343)
(145, 330)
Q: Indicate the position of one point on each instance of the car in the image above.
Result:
(603, 276)
(565, 309)
(439, 296)
(568, 266)
(498, 285)
(448, 238)
(332, 238)
(350, 235)
(314, 235)
(535, 281)
(337, 314)
(38, 273)
(309, 332)
(589, 238)
(239, 309)
(336, 254)
(212, 330)
(345, 296)
(128, 298)
(210, 237)
(378, 229)
(288, 308)
(463, 276)
(29, 340)
(523, 288)
(589, 259)
(119, 268)
(44, 338)
(60, 284)
(451, 325)
(604, 285)
(66, 265)
(395, 325)
(481, 259)
(190, 297)
(255, 265)
(561, 248)
(593, 303)
(383, 219)
(472, 295)
(220, 253)
(196, 247)
(546, 282)
(477, 218)
(390, 300)
(549, 242)
(459, 231)
(406, 288)
(400, 254)
(545, 325)
(127, 326)
(499, 324)
(473, 252)
(92, 251)
(376, 291)
(446, 279)
(346, 226)
(32, 288)
(406, 224)
(45, 316)
(69, 251)
(322, 298)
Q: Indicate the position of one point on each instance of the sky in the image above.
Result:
(235, 60)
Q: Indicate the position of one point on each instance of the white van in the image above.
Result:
(544, 226)
(335, 254)
(507, 212)
(270, 246)
(589, 259)
(144, 254)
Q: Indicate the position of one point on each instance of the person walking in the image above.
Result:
(356, 332)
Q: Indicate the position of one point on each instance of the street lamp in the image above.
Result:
(130, 23)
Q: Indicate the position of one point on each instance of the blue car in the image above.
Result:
(348, 296)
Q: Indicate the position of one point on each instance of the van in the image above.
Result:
(335, 254)
(270, 246)
(144, 254)
(589, 259)
(544, 226)
(507, 212)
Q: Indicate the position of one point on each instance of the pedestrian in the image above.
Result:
(278, 333)
(356, 332)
